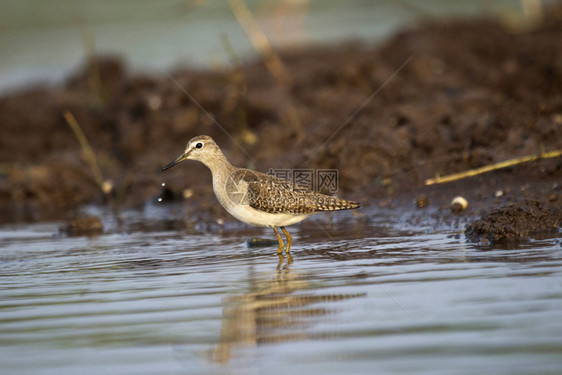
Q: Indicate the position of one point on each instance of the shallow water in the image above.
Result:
(151, 295)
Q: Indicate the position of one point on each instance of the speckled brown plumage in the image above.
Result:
(276, 195)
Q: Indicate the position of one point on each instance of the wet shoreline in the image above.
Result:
(451, 106)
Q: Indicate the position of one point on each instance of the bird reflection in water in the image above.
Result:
(282, 259)
(274, 310)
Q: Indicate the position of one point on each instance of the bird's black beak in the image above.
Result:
(179, 159)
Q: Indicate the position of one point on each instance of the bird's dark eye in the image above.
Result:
(199, 145)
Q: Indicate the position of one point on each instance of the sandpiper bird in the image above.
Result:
(257, 198)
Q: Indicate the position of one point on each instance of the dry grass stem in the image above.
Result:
(93, 73)
(270, 58)
(259, 41)
(493, 167)
(88, 153)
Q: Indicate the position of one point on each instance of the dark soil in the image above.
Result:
(507, 225)
(90, 225)
(473, 93)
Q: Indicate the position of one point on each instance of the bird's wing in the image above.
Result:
(276, 195)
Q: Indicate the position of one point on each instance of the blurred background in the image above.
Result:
(42, 41)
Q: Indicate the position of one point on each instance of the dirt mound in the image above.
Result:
(512, 223)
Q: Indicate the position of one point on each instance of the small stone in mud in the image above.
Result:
(260, 242)
(84, 226)
(512, 223)
(459, 204)
(107, 187)
(187, 193)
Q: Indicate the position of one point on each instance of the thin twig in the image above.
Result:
(370, 275)
(203, 110)
(259, 41)
(236, 99)
(93, 73)
(271, 60)
(493, 167)
(89, 155)
(365, 102)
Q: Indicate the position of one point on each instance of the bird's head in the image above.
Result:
(201, 148)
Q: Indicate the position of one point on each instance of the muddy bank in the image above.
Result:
(509, 224)
(469, 93)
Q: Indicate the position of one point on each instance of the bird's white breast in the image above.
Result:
(252, 216)
(236, 206)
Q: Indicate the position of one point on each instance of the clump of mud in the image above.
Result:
(86, 226)
(512, 223)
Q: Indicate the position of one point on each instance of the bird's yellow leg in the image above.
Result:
(289, 239)
(281, 243)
